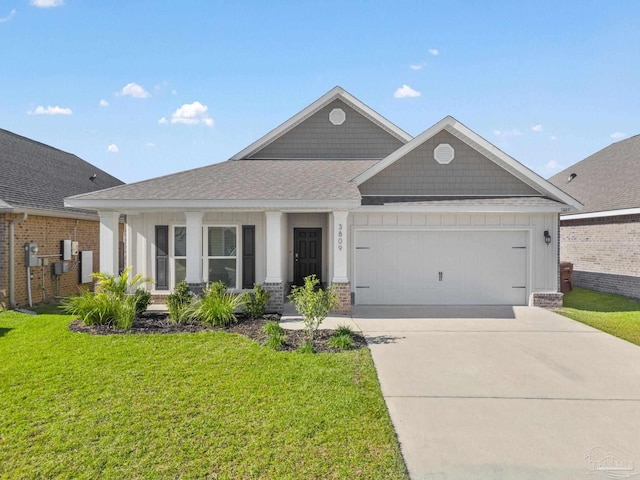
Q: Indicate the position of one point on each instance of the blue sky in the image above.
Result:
(145, 88)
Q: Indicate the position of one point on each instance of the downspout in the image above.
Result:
(12, 288)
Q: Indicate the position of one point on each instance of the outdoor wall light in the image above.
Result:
(547, 237)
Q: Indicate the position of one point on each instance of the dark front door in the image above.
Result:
(307, 253)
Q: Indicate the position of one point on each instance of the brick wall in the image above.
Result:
(47, 232)
(4, 251)
(343, 290)
(605, 253)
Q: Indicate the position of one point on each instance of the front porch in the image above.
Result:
(274, 248)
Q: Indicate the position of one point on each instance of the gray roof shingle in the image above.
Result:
(37, 176)
(249, 180)
(607, 180)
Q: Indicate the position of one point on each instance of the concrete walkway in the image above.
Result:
(505, 392)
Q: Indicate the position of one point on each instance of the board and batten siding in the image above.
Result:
(141, 238)
(316, 137)
(469, 173)
(542, 258)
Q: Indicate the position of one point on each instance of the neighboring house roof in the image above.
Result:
(35, 176)
(607, 181)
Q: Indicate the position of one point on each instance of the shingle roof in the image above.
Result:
(36, 176)
(249, 180)
(606, 180)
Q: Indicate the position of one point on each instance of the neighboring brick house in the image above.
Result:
(603, 242)
(34, 180)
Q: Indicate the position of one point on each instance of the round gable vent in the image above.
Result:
(443, 153)
(337, 116)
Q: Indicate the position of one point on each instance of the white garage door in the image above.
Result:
(441, 268)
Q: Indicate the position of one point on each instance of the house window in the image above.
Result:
(179, 254)
(221, 255)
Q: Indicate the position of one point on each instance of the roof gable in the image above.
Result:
(38, 176)
(525, 181)
(607, 180)
(310, 133)
(470, 173)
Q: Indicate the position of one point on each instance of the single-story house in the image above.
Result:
(340, 191)
(34, 179)
(603, 241)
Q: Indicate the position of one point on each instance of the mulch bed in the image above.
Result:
(159, 323)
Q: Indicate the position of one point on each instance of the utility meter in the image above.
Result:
(31, 254)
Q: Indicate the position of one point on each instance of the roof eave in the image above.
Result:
(600, 214)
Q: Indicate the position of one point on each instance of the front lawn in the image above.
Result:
(193, 405)
(614, 314)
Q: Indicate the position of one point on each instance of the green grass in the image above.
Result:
(206, 405)
(614, 314)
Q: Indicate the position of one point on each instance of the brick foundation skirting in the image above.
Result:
(343, 290)
(197, 288)
(276, 299)
(551, 300)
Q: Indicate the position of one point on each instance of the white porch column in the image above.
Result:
(339, 247)
(109, 222)
(274, 247)
(194, 247)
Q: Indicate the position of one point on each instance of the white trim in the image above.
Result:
(330, 96)
(474, 140)
(459, 209)
(604, 213)
(91, 216)
(205, 251)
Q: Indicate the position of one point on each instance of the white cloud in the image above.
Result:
(618, 135)
(162, 121)
(104, 103)
(150, 144)
(507, 133)
(406, 92)
(133, 90)
(416, 67)
(8, 17)
(47, 3)
(192, 114)
(434, 52)
(40, 110)
(173, 92)
(553, 166)
(553, 137)
(537, 128)
(113, 148)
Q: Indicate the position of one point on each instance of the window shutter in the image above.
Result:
(248, 256)
(162, 257)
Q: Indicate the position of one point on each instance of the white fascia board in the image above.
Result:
(331, 95)
(604, 213)
(458, 209)
(34, 212)
(474, 140)
(258, 205)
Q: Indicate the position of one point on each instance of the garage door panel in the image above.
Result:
(441, 268)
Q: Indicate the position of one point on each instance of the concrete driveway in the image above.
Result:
(506, 393)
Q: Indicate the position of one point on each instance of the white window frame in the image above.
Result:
(238, 255)
(172, 256)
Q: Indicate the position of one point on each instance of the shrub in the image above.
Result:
(273, 328)
(217, 306)
(314, 304)
(275, 341)
(306, 347)
(343, 330)
(342, 342)
(180, 302)
(256, 302)
(142, 298)
(110, 304)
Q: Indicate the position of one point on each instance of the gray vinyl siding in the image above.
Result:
(316, 137)
(469, 173)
